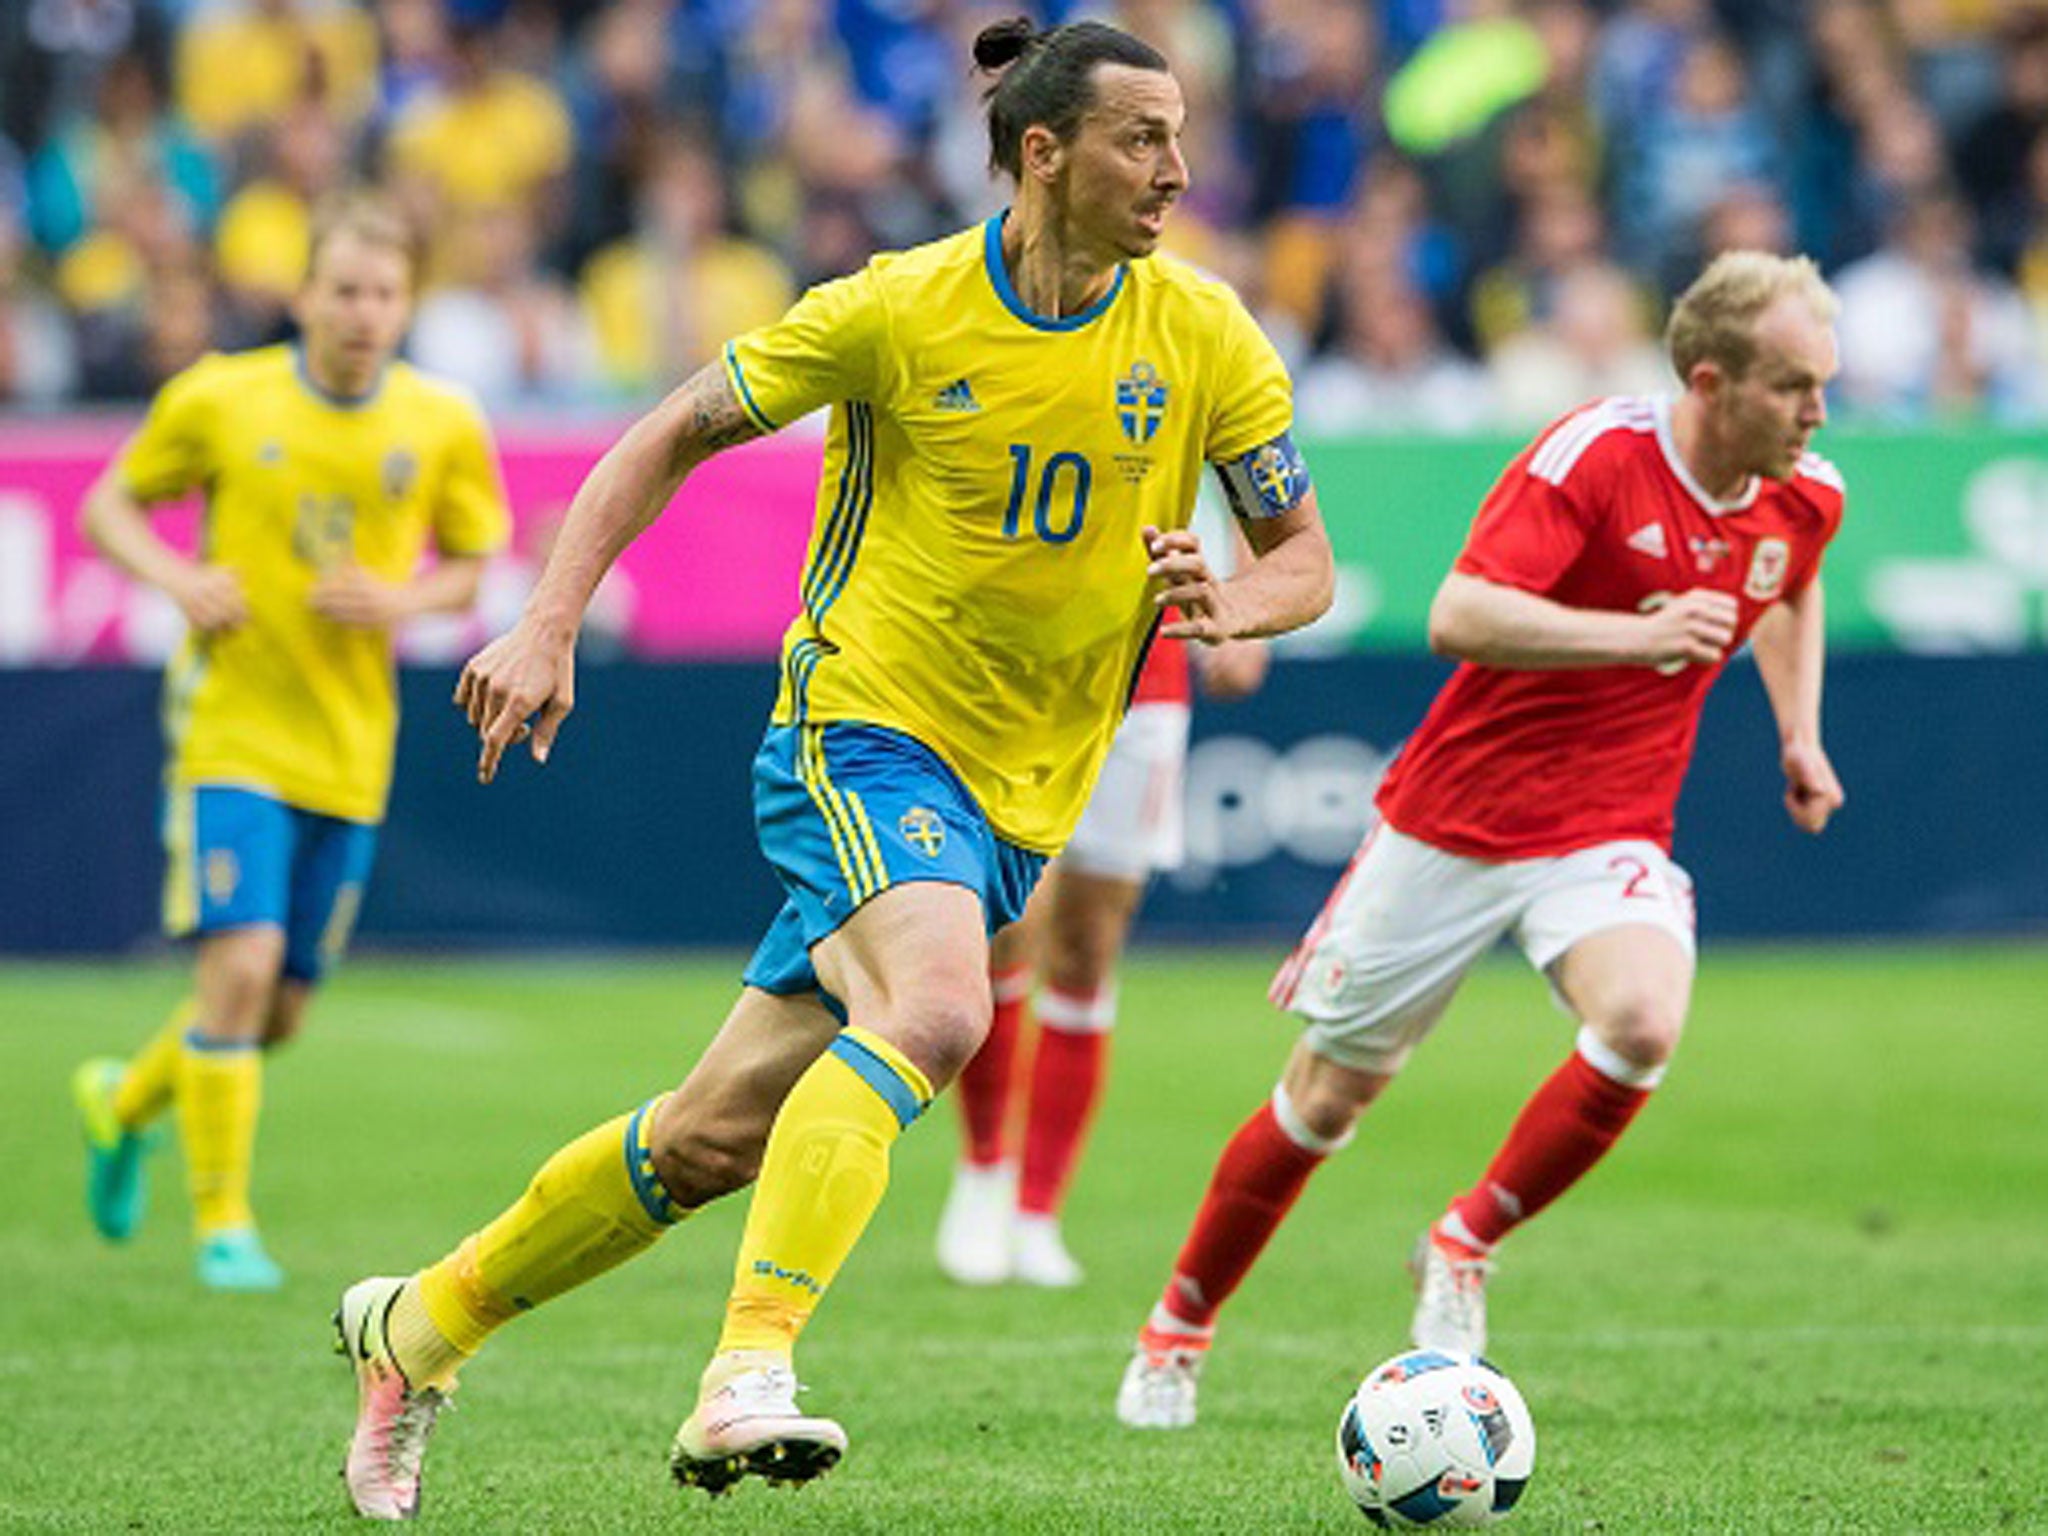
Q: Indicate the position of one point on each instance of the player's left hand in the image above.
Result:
(1812, 792)
(1186, 582)
(348, 594)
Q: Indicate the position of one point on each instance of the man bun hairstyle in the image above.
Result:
(1044, 78)
(1002, 43)
(1714, 321)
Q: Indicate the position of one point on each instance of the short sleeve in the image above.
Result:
(469, 515)
(826, 349)
(172, 451)
(1528, 531)
(1822, 490)
(1255, 402)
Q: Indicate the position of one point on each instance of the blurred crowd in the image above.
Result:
(1449, 213)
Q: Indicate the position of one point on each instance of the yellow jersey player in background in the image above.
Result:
(327, 468)
(1020, 414)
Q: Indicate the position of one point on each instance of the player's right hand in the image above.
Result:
(1183, 580)
(518, 676)
(210, 597)
(1694, 628)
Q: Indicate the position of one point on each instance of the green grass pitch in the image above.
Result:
(1809, 1294)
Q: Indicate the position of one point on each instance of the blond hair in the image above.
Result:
(1714, 320)
(368, 215)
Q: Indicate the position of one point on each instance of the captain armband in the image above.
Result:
(1269, 481)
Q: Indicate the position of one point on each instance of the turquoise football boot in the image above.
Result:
(233, 1259)
(116, 1189)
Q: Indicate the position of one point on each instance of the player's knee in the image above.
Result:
(1328, 1121)
(942, 1041)
(1330, 1109)
(940, 1026)
(1081, 953)
(1641, 1029)
(1085, 968)
(239, 997)
(1319, 1100)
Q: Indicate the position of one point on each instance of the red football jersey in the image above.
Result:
(1598, 512)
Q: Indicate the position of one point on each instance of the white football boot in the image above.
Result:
(1450, 1294)
(393, 1418)
(1158, 1389)
(1038, 1254)
(974, 1229)
(750, 1426)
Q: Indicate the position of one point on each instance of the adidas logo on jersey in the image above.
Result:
(956, 396)
(1649, 540)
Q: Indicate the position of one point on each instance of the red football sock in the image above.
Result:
(1256, 1182)
(1067, 1071)
(1565, 1128)
(984, 1084)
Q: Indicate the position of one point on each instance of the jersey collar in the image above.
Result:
(999, 275)
(327, 396)
(1661, 405)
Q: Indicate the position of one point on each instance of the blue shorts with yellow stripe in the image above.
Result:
(238, 857)
(844, 811)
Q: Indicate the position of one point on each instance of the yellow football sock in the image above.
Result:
(220, 1095)
(151, 1078)
(826, 1167)
(594, 1204)
(421, 1349)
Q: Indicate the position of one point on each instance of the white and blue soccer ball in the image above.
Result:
(1435, 1438)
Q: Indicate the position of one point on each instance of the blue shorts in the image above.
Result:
(844, 811)
(239, 858)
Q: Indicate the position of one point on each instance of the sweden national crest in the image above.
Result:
(223, 873)
(401, 471)
(922, 829)
(1140, 402)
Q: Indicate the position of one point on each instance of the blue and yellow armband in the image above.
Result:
(1269, 481)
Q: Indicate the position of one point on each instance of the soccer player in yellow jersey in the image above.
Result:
(1020, 413)
(326, 467)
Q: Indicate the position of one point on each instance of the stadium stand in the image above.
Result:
(1453, 213)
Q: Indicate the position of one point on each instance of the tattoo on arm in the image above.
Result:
(708, 418)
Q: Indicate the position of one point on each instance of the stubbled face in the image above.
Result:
(1767, 415)
(354, 309)
(1123, 167)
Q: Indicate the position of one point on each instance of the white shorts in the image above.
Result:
(1134, 823)
(1378, 968)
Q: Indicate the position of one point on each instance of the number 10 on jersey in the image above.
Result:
(1060, 503)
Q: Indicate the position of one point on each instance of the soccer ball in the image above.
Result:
(1435, 1438)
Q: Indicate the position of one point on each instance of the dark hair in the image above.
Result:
(1044, 78)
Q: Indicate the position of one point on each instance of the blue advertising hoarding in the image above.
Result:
(640, 831)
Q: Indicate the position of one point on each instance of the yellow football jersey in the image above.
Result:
(976, 575)
(289, 702)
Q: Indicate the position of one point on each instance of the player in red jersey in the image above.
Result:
(1002, 1215)
(1622, 557)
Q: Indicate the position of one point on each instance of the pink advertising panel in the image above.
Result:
(715, 577)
